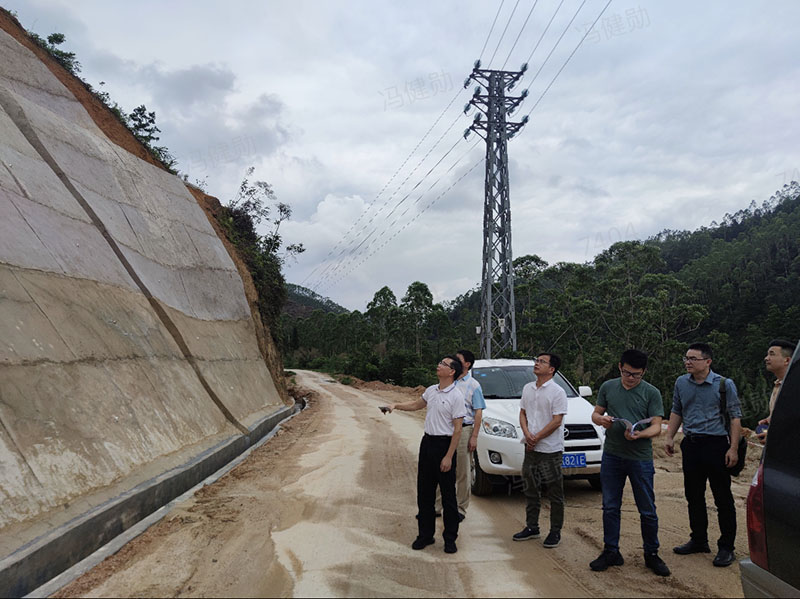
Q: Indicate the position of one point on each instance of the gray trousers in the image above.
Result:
(543, 470)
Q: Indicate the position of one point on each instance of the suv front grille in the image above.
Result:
(573, 432)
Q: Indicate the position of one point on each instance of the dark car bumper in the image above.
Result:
(757, 582)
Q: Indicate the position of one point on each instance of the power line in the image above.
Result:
(558, 41)
(324, 274)
(420, 213)
(350, 257)
(535, 2)
(541, 37)
(563, 66)
(345, 268)
(491, 29)
(511, 16)
(341, 267)
(569, 58)
(364, 212)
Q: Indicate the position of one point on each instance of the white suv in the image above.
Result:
(499, 455)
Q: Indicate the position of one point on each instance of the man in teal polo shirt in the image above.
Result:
(631, 411)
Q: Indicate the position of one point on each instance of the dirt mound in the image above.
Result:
(381, 386)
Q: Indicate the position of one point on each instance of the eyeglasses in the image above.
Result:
(540, 361)
(633, 375)
(693, 359)
(446, 365)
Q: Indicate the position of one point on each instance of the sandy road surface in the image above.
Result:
(326, 508)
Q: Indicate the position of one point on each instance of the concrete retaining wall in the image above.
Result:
(44, 558)
(125, 334)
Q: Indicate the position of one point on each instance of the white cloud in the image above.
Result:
(668, 122)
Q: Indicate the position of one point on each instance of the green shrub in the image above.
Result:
(417, 375)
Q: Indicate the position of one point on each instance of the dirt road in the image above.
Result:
(326, 508)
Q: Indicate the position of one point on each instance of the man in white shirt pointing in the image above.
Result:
(475, 404)
(437, 459)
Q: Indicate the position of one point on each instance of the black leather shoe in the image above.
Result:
(656, 564)
(552, 539)
(691, 546)
(724, 558)
(420, 543)
(461, 517)
(607, 558)
(527, 534)
(450, 547)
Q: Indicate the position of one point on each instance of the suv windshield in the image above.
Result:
(506, 382)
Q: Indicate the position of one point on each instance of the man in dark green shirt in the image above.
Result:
(631, 411)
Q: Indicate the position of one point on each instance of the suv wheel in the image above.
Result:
(594, 480)
(481, 483)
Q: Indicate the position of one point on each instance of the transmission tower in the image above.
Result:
(498, 327)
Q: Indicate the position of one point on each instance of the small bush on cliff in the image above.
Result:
(67, 59)
(255, 205)
(143, 125)
(140, 122)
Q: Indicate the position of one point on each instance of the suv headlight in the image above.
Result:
(499, 428)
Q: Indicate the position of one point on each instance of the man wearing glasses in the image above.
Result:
(437, 460)
(474, 403)
(541, 418)
(707, 450)
(777, 360)
(631, 411)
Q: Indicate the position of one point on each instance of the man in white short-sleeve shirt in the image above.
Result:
(437, 459)
(541, 417)
(475, 404)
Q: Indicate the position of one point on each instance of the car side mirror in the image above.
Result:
(585, 391)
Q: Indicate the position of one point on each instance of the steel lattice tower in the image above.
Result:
(498, 324)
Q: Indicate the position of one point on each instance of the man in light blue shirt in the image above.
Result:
(475, 404)
(707, 450)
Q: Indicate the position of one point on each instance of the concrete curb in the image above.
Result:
(37, 562)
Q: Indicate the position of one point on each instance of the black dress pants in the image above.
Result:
(704, 460)
(432, 450)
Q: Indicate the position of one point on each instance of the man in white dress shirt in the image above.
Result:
(437, 459)
(541, 417)
(475, 404)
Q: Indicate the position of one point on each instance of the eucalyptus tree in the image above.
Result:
(379, 312)
(417, 305)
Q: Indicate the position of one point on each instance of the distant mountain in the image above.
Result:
(301, 302)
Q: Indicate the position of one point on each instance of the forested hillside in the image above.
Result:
(301, 302)
(733, 284)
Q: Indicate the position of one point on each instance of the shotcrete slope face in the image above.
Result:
(125, 334)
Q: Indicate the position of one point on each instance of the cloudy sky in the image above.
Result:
(669, 115)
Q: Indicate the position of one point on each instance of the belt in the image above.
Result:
(439, 436)
(466, 425)
(697, 437)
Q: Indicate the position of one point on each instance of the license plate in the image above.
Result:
(573, 460)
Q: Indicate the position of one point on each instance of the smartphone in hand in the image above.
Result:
(384, 409)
